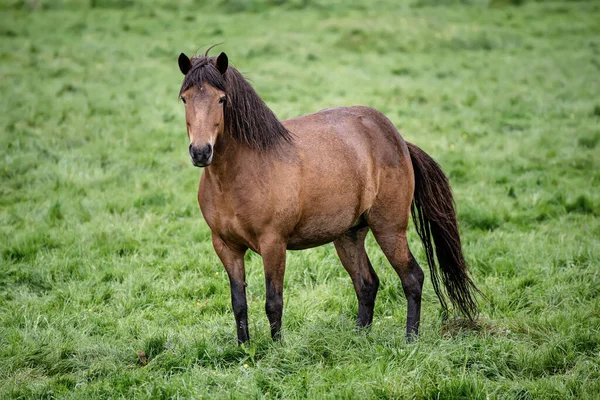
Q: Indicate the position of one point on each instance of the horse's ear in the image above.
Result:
(222, 63)
(184, 63)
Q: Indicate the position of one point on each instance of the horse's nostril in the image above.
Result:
(201, 155)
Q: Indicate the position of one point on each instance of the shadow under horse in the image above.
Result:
(271, 185)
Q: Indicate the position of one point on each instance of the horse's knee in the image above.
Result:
(274, 305)
(238, 300)
(240, 309)
(368, 289)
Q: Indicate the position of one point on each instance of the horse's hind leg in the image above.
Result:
(351, 250)
(392, 240)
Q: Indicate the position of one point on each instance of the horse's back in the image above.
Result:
(362, 129)
(349, 158)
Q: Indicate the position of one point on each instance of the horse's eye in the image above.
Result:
(183, 99)
(222, 99)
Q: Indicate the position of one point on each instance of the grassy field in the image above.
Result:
(104, 253)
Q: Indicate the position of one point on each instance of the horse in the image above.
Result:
(272, 186)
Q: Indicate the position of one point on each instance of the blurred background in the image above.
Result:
(104, 252)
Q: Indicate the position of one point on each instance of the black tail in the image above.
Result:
(434, 216)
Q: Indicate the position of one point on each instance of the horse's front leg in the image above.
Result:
(273, 255)
(232, 258)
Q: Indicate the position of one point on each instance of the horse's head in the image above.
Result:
(204, 97)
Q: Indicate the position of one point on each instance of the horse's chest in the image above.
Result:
(229, 219)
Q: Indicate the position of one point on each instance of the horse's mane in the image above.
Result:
(247, 118)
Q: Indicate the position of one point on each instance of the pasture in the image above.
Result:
(110, 288)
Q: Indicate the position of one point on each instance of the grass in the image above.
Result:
(109, 287)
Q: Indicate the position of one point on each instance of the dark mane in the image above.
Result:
(247, 118)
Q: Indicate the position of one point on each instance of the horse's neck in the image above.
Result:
(229, 158)
(233, 161)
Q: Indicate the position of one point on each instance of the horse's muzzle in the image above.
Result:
(201, 155)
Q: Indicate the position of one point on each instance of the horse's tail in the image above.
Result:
(434, 216)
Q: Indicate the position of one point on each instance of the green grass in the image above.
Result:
(104, 252)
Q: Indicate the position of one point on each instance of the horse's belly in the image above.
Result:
(318, 230)
(301, 242)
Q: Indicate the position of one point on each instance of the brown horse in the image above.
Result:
(273, 186)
